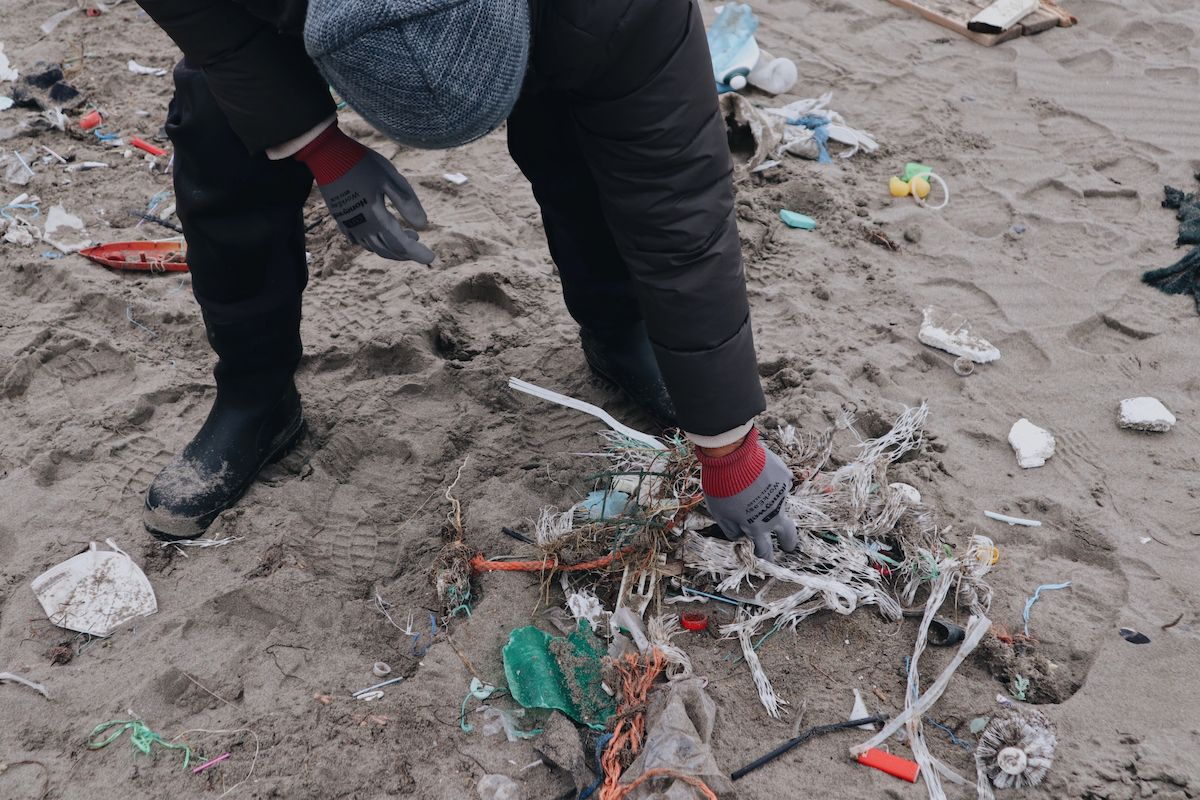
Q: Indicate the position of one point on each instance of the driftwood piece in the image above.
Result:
(955, 14)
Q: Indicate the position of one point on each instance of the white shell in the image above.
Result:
(908, 494)
(95, 592)
(1145, 414)
(949, 331)
(1033, 445)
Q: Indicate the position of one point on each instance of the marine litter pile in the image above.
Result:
(639, 550)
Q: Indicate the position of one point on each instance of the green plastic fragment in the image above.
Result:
(913, 168)
(794, 220)
(978, 724)
(545, 671)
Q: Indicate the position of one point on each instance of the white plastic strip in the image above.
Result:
(976, 628)
(587, 408)
(1031, 523)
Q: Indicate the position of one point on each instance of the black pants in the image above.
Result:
(242, 214)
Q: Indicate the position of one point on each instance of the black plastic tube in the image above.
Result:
(808, 734)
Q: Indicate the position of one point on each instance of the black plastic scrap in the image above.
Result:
(808, 734)
(1181, 277)
(943, 633)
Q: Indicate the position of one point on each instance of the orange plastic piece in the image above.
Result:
(892, 765)
(141, 256)
(90, 120)
(149, 148)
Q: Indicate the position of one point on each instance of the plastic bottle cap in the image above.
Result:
(694, 620)
(737, 82)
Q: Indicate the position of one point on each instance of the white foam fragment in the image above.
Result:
(1145, 414)
(1033, 445)
(949, 331)
(907, 492)
(457, 178)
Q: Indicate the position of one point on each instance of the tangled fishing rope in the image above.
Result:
(140, 736)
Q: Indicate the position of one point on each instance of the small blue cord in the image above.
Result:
(432, 633)
(601, 743)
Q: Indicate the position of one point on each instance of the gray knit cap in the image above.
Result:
(427, 73)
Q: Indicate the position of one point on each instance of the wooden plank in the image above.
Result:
(954, 15)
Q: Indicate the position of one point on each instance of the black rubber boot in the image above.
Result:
(255, 420)
(627, 360)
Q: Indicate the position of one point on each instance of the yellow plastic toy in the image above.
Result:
(900, 188)
(919, 186)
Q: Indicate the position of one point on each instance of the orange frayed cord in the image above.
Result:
(480, 564)
(637, 676)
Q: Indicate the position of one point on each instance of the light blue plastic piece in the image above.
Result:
(606, 505)
(795, 220)
(729, 35)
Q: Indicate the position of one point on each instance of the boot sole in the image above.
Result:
(196, 526)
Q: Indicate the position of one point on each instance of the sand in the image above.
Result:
(1067, 136)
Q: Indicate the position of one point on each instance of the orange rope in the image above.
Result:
(637, 677)
(657, 771)
(480, 564)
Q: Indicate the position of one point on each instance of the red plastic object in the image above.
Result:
(694, 621)
(892, 765)
(149, 148)
(141, 256)
(93, 12)
(91, 120)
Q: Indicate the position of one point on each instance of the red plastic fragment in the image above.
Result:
(892, 765)
(694, 620)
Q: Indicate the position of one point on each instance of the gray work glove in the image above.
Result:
(744, 492)
(354, 180)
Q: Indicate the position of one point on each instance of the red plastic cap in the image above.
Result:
(90, 120)
(892, 765)
(694, 620)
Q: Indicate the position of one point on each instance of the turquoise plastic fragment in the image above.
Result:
(729, 35)
(606, 505)
(795, 220)
(537, 678)
(912, 168)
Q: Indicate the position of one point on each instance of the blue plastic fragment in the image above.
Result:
(795, 220)
(605, 505)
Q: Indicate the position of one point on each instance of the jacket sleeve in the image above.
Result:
(263, 80)
(655, 140)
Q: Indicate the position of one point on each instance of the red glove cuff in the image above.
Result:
(330, 155)
(733, 473)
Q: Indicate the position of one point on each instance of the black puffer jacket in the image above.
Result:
(638, 76)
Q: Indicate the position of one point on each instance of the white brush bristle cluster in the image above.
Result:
(1015, 750)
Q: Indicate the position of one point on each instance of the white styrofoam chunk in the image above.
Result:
(1003, 14)
(949, 331)
(457, 178)
(1033, 445)
(1145, 414)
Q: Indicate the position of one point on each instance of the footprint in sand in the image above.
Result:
(1105, 334)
